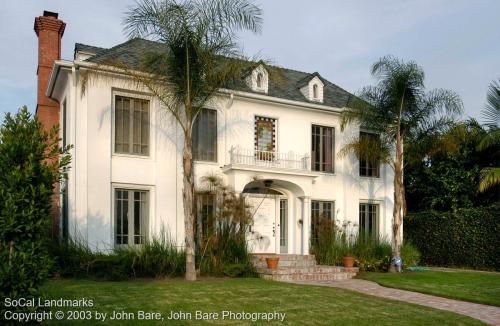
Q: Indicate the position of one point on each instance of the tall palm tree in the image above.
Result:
(490, 176)
(199, 57)
(397, 109)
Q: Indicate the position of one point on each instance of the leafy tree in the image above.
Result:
(490, 175)
(198, 37)
(29, 168)
(445, 176)
(397, 108)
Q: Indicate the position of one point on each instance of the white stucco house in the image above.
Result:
(282, 139)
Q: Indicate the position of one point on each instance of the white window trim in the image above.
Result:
(137, 95)
(381, 208)
(151, 209)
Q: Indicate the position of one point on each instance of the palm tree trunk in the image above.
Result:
(188, 199)
(398, 207)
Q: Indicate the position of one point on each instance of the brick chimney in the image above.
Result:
(49, 30)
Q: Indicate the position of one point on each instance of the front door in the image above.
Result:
(262, 235)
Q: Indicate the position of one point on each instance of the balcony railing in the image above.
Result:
(260, 158)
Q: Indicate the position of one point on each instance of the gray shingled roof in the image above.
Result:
(288, 86)
(79, 47)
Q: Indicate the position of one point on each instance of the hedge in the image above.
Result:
(465, 238)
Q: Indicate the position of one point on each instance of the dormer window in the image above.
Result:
(312, 88)
(258, 79)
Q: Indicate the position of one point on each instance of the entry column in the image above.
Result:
(306, 223)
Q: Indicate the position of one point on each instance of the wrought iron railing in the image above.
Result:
(271, 159)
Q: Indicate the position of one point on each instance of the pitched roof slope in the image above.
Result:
(287, 87)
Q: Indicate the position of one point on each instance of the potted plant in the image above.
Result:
(348, 259)
(272, 262)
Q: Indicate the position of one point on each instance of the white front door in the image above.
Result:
(262, 236)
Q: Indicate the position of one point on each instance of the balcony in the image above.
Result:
(269, 160)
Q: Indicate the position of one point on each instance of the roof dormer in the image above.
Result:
(258, 80)
(312, 88)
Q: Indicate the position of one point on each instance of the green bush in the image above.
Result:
(27, 177)
(156, 258)
(222, 249)
(333, 241)
(465, 238)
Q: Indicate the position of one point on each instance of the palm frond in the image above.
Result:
(369, 149)
(491, 113)
(489, 178)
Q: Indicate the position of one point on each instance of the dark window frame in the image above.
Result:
(369, 169)
(318, 209)
(137, 119)
(369, 216)
(319, 159)
(203, 134)
(131, 216)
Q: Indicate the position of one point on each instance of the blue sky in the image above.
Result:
(456, 41)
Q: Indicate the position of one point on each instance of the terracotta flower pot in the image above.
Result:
(348, 261)
(272, 262)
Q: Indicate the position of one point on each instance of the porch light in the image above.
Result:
(268, 183)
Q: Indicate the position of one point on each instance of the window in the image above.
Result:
(131, 125)
(205, 136)
(368, 217)
(265, 138)
(259, 80)
(319, 210)
(315, 91)
(205, 214)
(323, 149)
(369, 168)
(131, 216)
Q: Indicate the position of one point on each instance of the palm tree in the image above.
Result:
(198, 58)
(490, 176)
(397, 109)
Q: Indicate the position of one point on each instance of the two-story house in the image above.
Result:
(275, 142)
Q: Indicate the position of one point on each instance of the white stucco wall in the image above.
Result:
(96, 171)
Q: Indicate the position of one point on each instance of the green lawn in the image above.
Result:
(468, 286)
(303, 305)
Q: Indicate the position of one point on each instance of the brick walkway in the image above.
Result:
(485, 313)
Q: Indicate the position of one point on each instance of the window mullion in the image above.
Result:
(131, 217)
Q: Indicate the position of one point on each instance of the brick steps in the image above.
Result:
(300, 268)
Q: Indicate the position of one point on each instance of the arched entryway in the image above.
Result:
(273, 205)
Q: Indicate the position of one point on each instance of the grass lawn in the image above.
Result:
(303, 305)
(468, 286)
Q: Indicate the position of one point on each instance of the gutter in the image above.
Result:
(58, 64)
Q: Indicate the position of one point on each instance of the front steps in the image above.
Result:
(300, 268)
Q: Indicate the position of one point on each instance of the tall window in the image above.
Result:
(265, 138)
(323, 149)
(131, 216)
(319, 210)
(131, 125)
(205, 214)
(368, 219)
(369, 168)
(205, 136)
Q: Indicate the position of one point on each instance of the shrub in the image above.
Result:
(329, 244)
(223, 249)
(333, 241)
(28, 172)
(156, 258)
(465, 238)
(409, 254)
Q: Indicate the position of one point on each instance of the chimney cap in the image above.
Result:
(47, 13)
